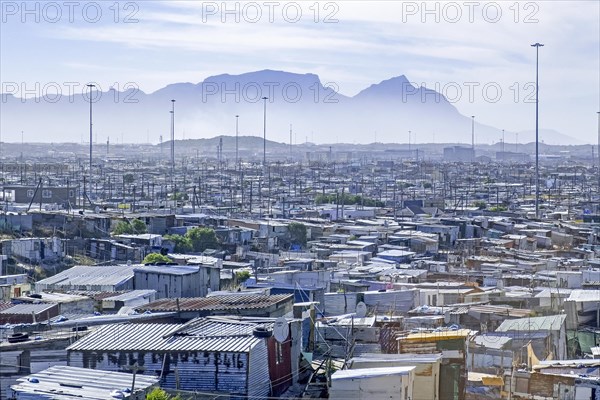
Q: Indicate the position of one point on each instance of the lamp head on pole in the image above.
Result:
(537, 45)
(91, 85)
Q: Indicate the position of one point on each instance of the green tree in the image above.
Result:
(242, 276)
(139, 226)
(130, 227)
(154, 258)
(182, 243)
(297, 232)
(128, 178)
(202, 239)
(179, 196)
(480, 204)
(159, 394)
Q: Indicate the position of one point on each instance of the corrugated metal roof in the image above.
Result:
(548, 323)
(207, 327)
(125, 337)
(62, 382)
(27, 309)
(499, 310)
(202, 336)
(225, 302)
(584, 295)
(81, 275)
(169, 269)
(131, 295)
(441, 335)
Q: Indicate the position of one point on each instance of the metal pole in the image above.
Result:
(537, 166)
(172, 135)
(264, 131)
(173, 153)
(473, 137)
(91, 137)
(237, 159)
(598, 151)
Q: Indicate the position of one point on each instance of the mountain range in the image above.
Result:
(383, 112)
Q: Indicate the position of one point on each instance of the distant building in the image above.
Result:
(34, 250)
(459, 153)
(65, 196)
(512, 156)
(172, 281)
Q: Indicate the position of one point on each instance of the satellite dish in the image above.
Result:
(281, 329)
(361, 310)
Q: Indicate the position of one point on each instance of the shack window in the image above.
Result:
(46, 193)
(30, 193)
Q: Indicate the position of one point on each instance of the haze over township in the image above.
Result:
(475, 56)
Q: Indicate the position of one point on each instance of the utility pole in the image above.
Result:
(91, 139)
(537, 138)
(598, 153)
(265, 131)
(237, 132)
(172, 136)
(173, 152)
(473, 137)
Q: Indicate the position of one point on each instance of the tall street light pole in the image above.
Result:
(172, 136)
(265, 131)
(173, 152)
(473, 137)
(237, 132)
(91, 141)
(598, 151)
(537, 137)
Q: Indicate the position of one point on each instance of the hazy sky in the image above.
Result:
(476, 53)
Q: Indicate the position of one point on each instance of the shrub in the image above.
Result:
(154, 258)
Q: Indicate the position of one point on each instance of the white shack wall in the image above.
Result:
(380, 387)
(426, 375)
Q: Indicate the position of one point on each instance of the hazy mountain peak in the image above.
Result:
(392, 87)
(266, 75)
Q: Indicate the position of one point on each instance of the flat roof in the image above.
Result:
(547, 323)
(371, 372)
(217, 303)
(63, 382)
